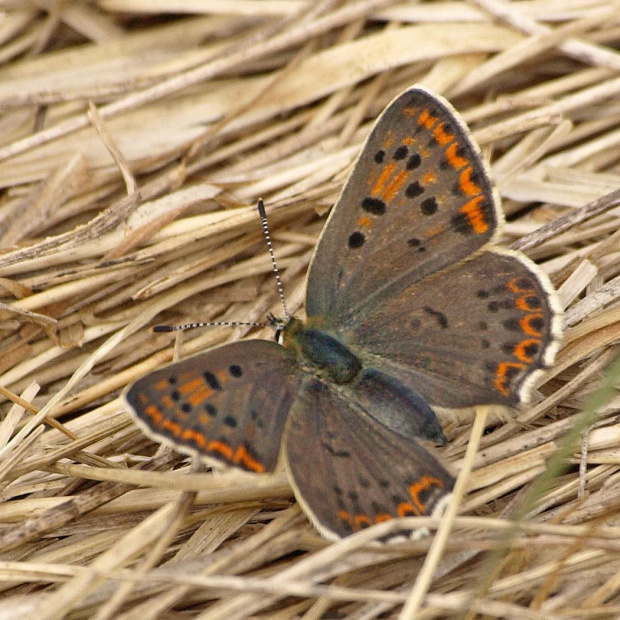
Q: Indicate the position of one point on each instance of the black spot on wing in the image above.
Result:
(356, 240)
(375, 206)
(414, 190)
(429, 206)
(414, 162)
(440, 317)
(212, 381)
(400, 153)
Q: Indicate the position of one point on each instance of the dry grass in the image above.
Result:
(135, 141)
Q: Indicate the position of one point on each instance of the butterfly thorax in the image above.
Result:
(321, 351)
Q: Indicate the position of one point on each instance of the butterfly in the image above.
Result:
(410, 305)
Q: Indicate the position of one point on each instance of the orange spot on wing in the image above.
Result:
(241, 456)
(357, 522)
(343, 515)
(195, 436)
(502, 376)
(520, 351)
(388, 141)
(384, 177)
(397, 182)
(526, 325)
(454, 159)
(475, 215)
(441, 136)
(190, 386)
(161, 385)
(222, 448)
(424, 152)
(428, 178)
(364, 222)
(523, 303)
(362, 521)
(466, 184)
(204, 419)
(170, 425)
(408, 141)
(513, 285)
(425, 483)
(155, 414)
(383, 516)
(168, 402)
(432, 232)
(405, 509)
(222, 376)
(199, 396)
(426, 119)
(410, 112)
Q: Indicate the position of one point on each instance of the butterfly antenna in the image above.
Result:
(276, 272)
(272, 320)
(176, 328)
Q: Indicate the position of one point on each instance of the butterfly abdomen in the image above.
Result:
(397, 406)
(323, 352)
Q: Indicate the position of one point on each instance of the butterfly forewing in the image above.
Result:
(348, 471)
(419, 198)
(227, 405)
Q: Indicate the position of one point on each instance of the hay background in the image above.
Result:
(136, 137)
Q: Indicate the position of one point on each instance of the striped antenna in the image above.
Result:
(276, 271)
(176, 328)
(273, 322)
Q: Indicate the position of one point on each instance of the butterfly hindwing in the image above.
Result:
(227, 405)
(477, 333)
(348, 471)
(419, 198)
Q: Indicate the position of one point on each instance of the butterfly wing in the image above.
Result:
(406, 273)
(227, 405)
(349, 471)
(418, 199)
(478, 333)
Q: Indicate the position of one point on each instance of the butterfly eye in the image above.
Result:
(278, 326)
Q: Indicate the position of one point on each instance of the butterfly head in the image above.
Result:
(280, 325)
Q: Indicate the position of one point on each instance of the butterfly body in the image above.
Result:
(410, 305)
(321, 352)
(326, 358)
